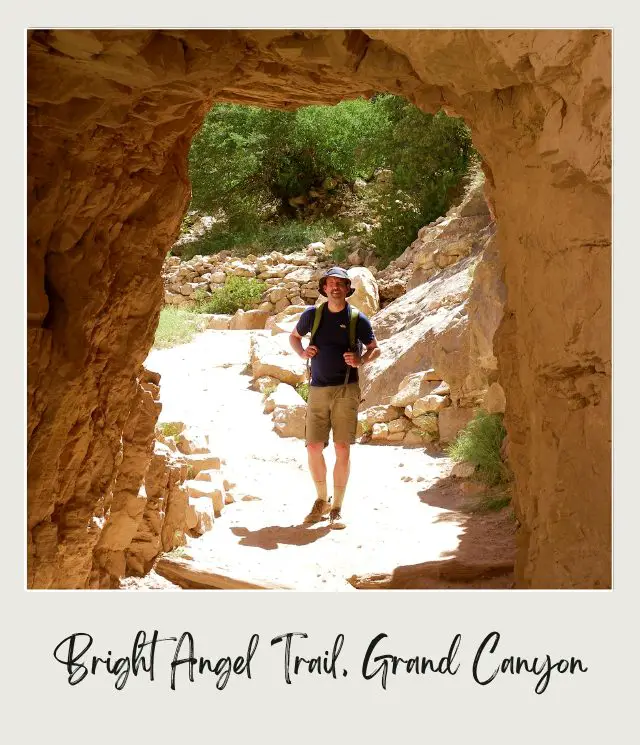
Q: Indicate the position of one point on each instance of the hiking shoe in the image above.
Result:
(335, 520)
(318, 512)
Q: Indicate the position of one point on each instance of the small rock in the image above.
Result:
(463, 470)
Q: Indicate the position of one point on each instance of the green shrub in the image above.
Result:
(303, 390)
(238, 293)
(170, 429)
(339, 254)
(479, 443)
(246, 163)
(175, 326)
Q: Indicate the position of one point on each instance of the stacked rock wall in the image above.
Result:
(110, 118)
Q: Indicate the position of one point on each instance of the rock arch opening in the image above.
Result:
(110, 119)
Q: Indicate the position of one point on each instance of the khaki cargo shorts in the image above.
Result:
(332, 408)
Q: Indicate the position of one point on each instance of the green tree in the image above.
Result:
(246, 163)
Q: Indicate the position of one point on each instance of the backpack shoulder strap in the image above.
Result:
(353, 321)
(317, 317)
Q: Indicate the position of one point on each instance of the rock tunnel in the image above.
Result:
(110, 118)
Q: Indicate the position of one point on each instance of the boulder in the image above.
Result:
(191, 441)
(428, 426)
(289, 421)
(428, 327)
(382, 413)
(399, 425)
(262, 345)
(282, 304)
(240, 269)
(213, 491)
(463, 470)
(284, 396)
(395, 436)
(430, 403)
(265, 383)
(290, 314)
(201, 462)
(365, 298)
(278, 294)
(494, 400)
(248, 320)
(413, 437)
(219, 322)
(379, 431)
(212, 475)
(302, 275)
(413, 387)
(200, 515)
(287, 326)
(441, 390)
(285, 368)
(451, 420)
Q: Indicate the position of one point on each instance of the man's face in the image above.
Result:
(336, 288)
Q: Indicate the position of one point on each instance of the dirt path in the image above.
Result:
(405, 526)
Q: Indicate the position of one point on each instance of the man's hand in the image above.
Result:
(309, 352)
(352, 359)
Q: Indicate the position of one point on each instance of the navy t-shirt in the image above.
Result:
(332, 339)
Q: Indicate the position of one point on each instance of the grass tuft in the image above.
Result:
(176, 326)
(479, 443)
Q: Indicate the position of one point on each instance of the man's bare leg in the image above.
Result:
(340, 478)
(318, 469)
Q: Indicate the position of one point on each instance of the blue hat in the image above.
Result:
(335, 271)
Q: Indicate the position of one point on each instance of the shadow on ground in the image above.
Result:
(483, 559)
(272, 536)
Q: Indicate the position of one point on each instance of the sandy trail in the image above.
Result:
(402, 512)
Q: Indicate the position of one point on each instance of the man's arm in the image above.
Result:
(354, 360)
(295, 340)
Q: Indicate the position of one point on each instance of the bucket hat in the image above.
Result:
(335, 271)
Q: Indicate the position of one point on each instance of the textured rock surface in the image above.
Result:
(365, 298)
(124, 512)
(429, 326)
(110, 118)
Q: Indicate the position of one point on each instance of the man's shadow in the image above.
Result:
(273, 535)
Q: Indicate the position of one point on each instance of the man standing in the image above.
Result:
(334, 392)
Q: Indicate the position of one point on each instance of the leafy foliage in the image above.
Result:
(238, 293)
(303, 390)
(170, 429)
(246, 163)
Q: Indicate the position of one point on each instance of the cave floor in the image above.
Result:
(408, 524)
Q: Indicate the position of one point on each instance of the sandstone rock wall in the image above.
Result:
(110, 118)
